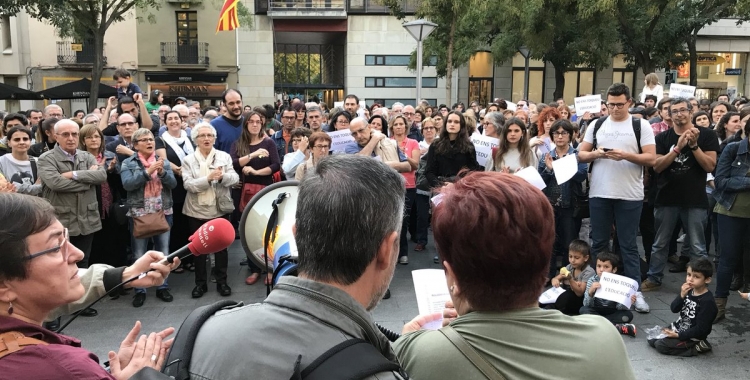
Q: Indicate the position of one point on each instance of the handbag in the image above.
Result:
(150, 225)
(224, 204)
(248, 192)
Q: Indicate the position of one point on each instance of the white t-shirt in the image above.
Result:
(618, 179)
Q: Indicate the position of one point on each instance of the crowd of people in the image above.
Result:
(136, 175)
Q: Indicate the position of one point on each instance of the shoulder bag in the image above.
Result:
(150, 225)
(470, 353)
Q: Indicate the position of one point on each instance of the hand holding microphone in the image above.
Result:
(152, 264)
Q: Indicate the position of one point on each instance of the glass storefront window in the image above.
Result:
(536, 85)
(578, 83)
(718, 73)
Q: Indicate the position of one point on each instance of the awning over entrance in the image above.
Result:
(12, 92)
(190, 90)
(80, 89)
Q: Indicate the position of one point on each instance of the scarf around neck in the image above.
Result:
(208, 197)
(174, 143)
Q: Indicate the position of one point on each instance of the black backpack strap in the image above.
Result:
(351, 359)
(637, 132)
(177, 364)
(597, 124)
(34, 170)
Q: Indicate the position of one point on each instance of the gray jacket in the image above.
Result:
(74, 201)
(262, 341)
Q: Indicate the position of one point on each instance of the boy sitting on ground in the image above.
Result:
(616, 313)
(697, 308)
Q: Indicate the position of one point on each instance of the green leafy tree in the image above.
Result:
(461, 31)
(82, 21)
(553, 31)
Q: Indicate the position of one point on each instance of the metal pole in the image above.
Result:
(526, 79)
(419, 72)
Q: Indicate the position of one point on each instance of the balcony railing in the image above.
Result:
(173, 53)
(72, 54)
(312, 6)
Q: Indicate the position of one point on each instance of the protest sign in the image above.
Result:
(340, 139)
(531, 175)
(565, 168)
(588, 103)
(681, 91)
(551, 295)
(616, 288)
(338, 104)
(483, 146)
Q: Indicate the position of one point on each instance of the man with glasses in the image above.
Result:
(69, 178)
(372, 143)
(163, 109)
(53, 110)
(413, 132)
(684, 156)
(617, 158)
(283, 138)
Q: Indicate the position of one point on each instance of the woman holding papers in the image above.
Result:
(562, 187)
(542, 143)
(495, 232)
(514, 152)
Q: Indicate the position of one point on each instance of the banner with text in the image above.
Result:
(483, 145)
(340, 139)
(616, 288)
(681, 91)
(588, 103)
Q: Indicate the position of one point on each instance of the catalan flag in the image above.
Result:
(228, 16)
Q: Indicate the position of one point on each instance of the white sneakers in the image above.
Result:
(640, 303)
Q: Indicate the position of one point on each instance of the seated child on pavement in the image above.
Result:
(697, 308)
(616, 313)
(573, 278)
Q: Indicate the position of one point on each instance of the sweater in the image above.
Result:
(271, 161)
(227, 132)
(697, 315)
(444, 167)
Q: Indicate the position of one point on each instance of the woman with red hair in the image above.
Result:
(494, 232)
(542, 143)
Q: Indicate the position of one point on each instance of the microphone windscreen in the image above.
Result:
(212, 236)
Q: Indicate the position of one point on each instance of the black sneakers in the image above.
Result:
(626, 329)
(703, 347)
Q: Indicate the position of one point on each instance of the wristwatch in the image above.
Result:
(694, 147)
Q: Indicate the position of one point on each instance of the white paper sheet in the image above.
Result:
(483, 146)
(565, 168)
(550, 296)
(340, 139)
(531, 175)
(681, 91)
(432, 293)
(616, 288)
(588, 103)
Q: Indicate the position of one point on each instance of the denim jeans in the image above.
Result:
(161, 244)
(625, 215)
(734, 236)
(423, 218)
(665, 218)
(411, 195)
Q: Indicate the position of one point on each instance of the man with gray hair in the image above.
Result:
(315, 118)
(345, 267)
(53, 110)
(69, 178)
(396, 108)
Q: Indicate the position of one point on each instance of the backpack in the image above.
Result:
(636, 131)
(351, 359)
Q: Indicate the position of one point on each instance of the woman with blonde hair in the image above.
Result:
(653, 87)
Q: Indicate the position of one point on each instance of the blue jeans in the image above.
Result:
(665, 220)
(734, 236)
(625, 215)
(161, 244)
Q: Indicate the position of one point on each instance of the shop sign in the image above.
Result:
(710, 59)
(732, 71)
(190, 90)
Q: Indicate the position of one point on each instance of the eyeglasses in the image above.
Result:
(62, 247)
(204, 136)
(616, 105)
(66, 135)
(560, 133)
(408, 113)
(345, 121)
(147, 139)
(679, 111)
(428, 128)
(127, 124)
(326, 147)
(486, 123)
(56, 115)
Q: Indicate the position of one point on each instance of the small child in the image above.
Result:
(574, 279)
(616, 313)
(697, 308)
(124, 86)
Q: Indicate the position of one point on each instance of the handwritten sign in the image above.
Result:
(588, 103)
(616, 288)
(681, 91)
(340, 139)
(483, 146)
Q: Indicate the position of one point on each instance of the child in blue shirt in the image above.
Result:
(124, 86)
(616, 313)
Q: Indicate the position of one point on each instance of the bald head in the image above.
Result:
(360, 131)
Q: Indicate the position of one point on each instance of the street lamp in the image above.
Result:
(525, 53)
(419, 29)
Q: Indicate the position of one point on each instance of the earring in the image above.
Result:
(10, 308)
(451, 288)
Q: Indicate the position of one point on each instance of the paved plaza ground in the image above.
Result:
(730, 358)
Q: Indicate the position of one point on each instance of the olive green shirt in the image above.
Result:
(528, 343)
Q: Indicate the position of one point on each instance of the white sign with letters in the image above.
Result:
(483, 146)
(588, 103)
(340, 139)
(681, 91)
(616, 288)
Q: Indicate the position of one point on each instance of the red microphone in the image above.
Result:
(212, 236)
